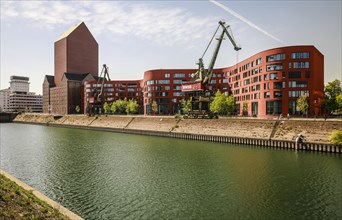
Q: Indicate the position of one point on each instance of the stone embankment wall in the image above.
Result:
(261, 132)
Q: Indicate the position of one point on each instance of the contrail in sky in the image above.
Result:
(247, 21)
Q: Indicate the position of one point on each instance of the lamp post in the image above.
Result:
(315, 102)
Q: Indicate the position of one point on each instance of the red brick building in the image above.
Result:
(76, 61)
(269, 83)
(113, 90)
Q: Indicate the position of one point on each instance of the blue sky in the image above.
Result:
(136, 36)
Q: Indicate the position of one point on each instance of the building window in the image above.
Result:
(165, 81)
(301, 65)
(307, 74)
(277, 94)
(225, 80)
(258, 61)
(293, 107)
(300, 55)
(296, 94)
(298, 84)
(273, 107)
(277, 85)
(213, 81)
(275, 57)
(150, 82)
(177, 87)
(167, 87)
(167, 75)
(265, 77)
(273, 76)
(176, 94)
(178, 75)
(274, 67)
(266, 94)
(294, 75)
(177, 81)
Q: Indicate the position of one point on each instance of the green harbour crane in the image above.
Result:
(195, 89)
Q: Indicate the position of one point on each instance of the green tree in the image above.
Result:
(132, 107)
(245, 108)
(331, 93)
(231, 105)
(336, 137)
(339, 102)
(186, 105)
(119, 106)
(222, 104)
(113, 108)
(218, 105)
(302, 104)
(78, 109)
(154, 107)
(106, 108)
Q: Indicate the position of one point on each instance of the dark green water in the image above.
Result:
(102, 175)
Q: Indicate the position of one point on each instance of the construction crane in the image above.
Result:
(196, 88)
(97, 100)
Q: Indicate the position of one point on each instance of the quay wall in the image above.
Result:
(259, 132)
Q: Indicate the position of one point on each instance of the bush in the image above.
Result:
(336, 137)
(177, 116)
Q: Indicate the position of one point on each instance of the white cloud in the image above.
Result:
(167, 26)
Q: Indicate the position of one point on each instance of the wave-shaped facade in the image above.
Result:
(266, 84)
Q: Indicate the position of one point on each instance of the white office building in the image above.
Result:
(17, 97)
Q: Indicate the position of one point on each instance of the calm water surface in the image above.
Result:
(103, 175)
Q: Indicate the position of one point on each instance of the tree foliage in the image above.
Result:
(122, 107)
(106, 108)
(336, 137)
(222, 104)
(78, 109)
(132, 107)
(302, 104)
(339, 102)
(332, 93)
(154, 107)
(186, 105)
(245, 108)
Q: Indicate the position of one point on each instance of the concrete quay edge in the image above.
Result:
(43, 197)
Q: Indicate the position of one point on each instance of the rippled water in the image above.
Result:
(103, 175)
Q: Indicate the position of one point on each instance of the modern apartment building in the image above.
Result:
(17, 97)
(268, 84)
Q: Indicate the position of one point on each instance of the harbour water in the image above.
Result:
(104, 175)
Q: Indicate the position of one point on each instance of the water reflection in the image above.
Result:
(102, 175)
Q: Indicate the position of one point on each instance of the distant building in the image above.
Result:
(4, 96)
(17, 97)
(76, 60)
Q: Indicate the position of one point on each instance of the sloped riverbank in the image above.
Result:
(264, 132)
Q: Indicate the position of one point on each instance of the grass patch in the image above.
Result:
(17, 203)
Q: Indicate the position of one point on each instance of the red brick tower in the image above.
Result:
(76, 51)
